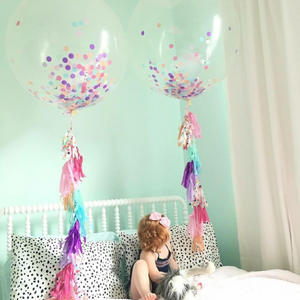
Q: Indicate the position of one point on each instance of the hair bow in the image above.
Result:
(164, 221)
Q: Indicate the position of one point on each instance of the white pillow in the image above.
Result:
(181, 248)
(35, 263)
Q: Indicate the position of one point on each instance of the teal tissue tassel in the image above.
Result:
(194, 156)
(79, 211)
(70, 216)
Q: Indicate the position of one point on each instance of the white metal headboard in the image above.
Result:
(90, 205)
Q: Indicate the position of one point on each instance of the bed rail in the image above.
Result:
(90, 206)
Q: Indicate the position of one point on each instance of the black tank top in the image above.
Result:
(162, 264)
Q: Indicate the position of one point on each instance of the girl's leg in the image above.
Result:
(140, 287)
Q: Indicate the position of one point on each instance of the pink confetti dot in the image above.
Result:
(109, 62)
(171, 46)
(85, 56)
(85, 21)
(196, 54)
(78, 33)
(206, 67)
(18, 23)
(175, 57)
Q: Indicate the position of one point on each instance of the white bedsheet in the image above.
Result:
(233, 283)
(229, 283)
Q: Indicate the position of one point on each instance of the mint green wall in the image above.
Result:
(129, 144)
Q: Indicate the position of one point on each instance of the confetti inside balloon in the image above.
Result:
(73, 60)
(194, 32)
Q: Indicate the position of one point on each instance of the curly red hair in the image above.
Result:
(152, 234)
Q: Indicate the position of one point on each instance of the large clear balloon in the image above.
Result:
(182, 48)
(69, 53)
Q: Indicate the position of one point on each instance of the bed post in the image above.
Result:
(9, 230)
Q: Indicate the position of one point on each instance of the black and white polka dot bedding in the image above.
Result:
(181, 247)
(35, 263)
(131, 246)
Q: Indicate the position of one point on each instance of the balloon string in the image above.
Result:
(187, 108)
(71, 115)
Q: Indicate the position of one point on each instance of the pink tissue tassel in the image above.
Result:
(195, 227)
(65, 285)
(195, 126)
(71, 173)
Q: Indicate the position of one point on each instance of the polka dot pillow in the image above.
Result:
(181, 248)
(35, 263)
(131, 246)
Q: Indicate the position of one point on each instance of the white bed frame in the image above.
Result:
(90, 206)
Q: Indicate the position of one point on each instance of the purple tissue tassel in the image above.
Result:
(188, 171)
(191, 188)
(189, 180)
(72, 245)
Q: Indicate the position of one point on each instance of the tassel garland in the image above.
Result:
(189, 131)
(72, 174)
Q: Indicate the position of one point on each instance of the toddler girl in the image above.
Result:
(155, 256)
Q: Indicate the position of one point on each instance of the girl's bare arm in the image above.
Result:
(154, 274)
